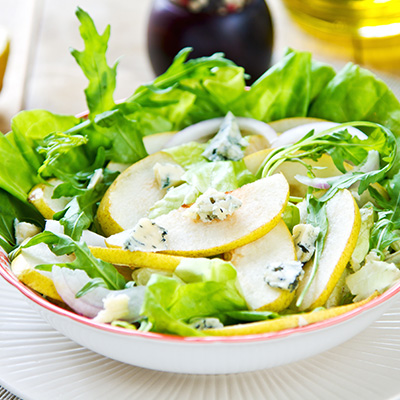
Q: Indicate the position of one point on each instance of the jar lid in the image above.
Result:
(221, 7)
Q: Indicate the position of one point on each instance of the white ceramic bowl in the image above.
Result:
(205, 355)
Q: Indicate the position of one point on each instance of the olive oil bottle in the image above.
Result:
(370, 28)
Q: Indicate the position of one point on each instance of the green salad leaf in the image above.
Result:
(356, 94)
(92, 60)
(62, 244)
(205, 288)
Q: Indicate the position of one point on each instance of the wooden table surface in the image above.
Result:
(42, 73)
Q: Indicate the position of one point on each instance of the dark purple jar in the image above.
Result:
(242, 29)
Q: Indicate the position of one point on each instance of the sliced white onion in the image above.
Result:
(69, 282)
(371, 163)
(89, 237)
(318, 183)
(295, 134)
(203, 130)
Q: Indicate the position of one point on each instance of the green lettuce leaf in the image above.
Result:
(207, 288)
(187, 154)
(356, 94)
(282, 92)
(17, 176)
(173, 199)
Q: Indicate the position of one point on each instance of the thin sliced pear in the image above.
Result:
(263, 202)
(23, 267)
(256, 143)
(250, 262)
(286, 322)
(41, 197)
(131, 195)
(156, 142)
(136, 259)
(326, 168)
(283, 125)
(344, 223)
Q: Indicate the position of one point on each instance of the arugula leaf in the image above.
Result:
(316, 216)
(95, 268)
(342, 147)
(80, 212)
(57, 145)
(92, 60)
(200, 88)
(385, 230)
(123, 135)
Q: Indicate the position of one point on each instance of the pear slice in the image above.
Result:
(344, 223)
(41, 197)
(263, 202)
(256, 143)
(131, 195)
(326, 168)
(23, 267)
(286, 322)
(136, 259)
(250, 262)
(283, 125)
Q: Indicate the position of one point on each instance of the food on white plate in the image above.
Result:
(199, 206)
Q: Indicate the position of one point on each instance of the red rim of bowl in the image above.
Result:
(6, 273)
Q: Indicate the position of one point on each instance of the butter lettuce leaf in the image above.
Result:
(223, 176)
(187, 154)
(204, 288)
(356, 94)
(283, 91)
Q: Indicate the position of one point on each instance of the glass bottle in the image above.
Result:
(242, 29)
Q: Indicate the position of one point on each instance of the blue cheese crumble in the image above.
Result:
(146, 236)
(228, 143)
(284, 275)
(206, 323)
(213, 205)
(168, 174)
(304, 238)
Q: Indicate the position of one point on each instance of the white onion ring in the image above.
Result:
(317, 183)
(69, 282)
(204, 129)
(295, 134)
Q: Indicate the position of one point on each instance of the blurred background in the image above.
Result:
(41, 73)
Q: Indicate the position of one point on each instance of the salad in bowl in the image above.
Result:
(203, 209)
